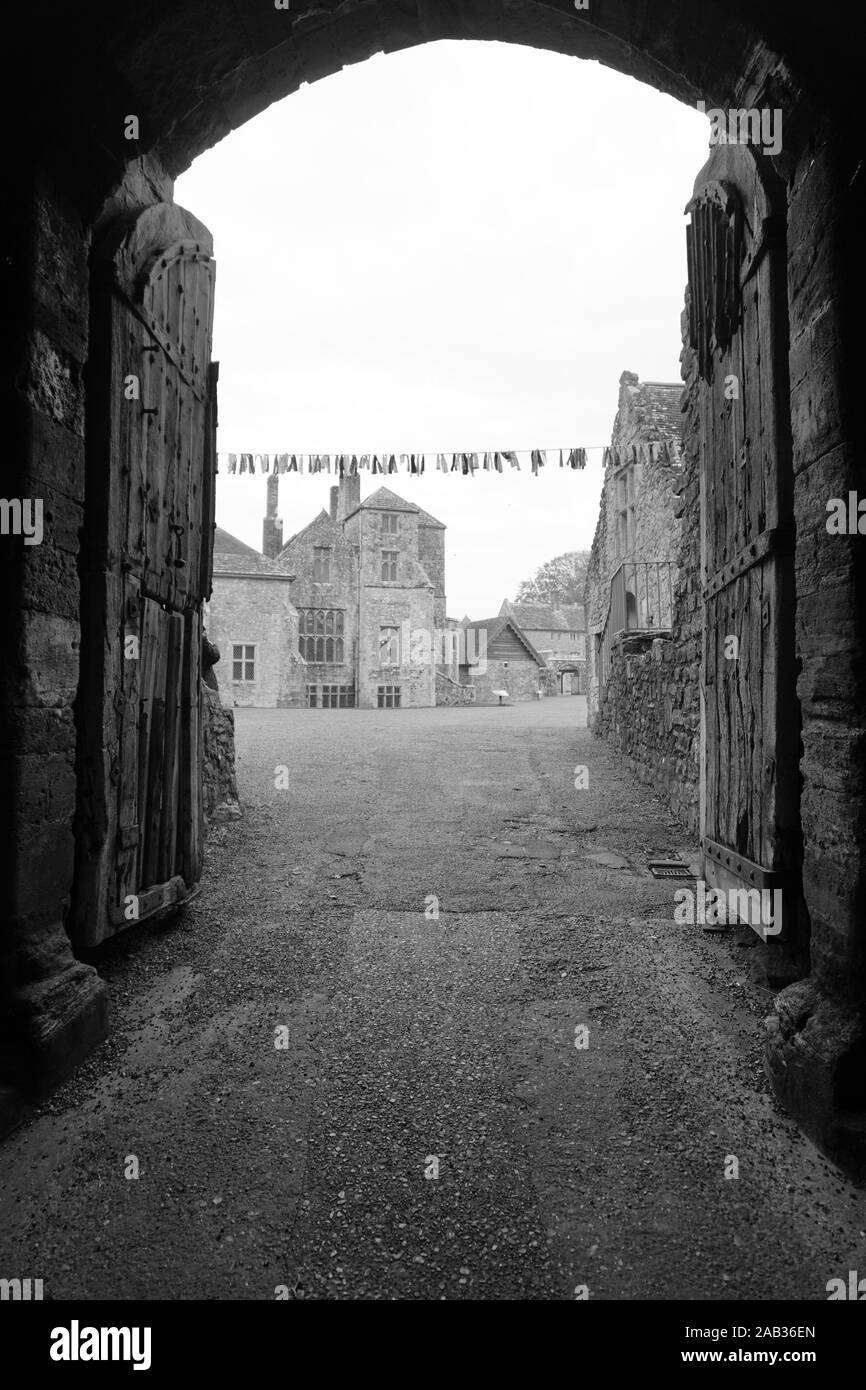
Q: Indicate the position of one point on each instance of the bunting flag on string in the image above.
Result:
(665, 451)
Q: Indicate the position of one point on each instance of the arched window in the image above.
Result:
(338, 654)
(329, 649)
(320, 648)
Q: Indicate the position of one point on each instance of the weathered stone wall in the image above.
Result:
(408, 599)
(451, 692)
(431, 556)
(256, 612)
(563, 665)
(339, 592)
(648, 412)
(650, 707)
(650, 714)
(522, 680)
(53, 1009)
(816, 1045)
(408, 606)
(219, 783)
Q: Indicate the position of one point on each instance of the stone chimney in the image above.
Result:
(272, 528)
(349, 496)
(335, 493)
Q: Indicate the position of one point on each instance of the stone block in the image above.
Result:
(814, 1056)
(43, 870)
(52, 383)
(58, 1022)
(45, 669)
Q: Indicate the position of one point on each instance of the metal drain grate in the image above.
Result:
(669, 868)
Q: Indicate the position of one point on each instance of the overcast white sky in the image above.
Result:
(457, 247)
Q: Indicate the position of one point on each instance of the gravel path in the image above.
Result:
(417, 1044)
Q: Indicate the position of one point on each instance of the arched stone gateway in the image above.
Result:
(109, 103)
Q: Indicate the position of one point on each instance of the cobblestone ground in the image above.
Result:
(414, 1041)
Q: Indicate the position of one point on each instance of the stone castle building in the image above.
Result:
(643, 598)
(633, 563)
(253, 621)
(349, 612)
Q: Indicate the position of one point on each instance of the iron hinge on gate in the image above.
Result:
(772, 234)
(738, 864)
(773, 541)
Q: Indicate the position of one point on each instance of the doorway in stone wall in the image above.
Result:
(406, 322)
(752, 839)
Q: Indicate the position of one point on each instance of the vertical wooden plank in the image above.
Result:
(191, 750)
(188, 290)
(715, 789)
(159, 401)
(184, 506)
(156, 752)
(168, 468)
(128, 825)
(208, 505)
(112, 756)
(146, 368)
(168, 833)
(196, 743)
(149, 655)
(765, 470)
(203, 448)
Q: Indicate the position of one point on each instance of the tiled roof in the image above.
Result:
(231, 556)
(648, 410)
(544, 617)
(425, 519)
(537, 616)
(383, 499)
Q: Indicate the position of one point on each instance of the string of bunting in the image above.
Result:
(346, 465)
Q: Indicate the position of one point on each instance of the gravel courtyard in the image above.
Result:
(349, 1068)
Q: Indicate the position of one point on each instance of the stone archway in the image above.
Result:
(189, 73)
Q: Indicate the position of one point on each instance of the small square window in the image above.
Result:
(243, 662)
(389, 523)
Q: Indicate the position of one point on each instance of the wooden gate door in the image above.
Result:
(148, 543)
(738, 327)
